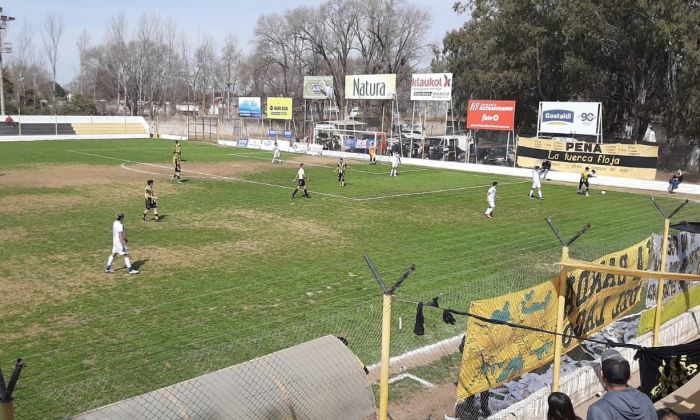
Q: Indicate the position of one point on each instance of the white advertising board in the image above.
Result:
(569, 118)
(370, 86)
(431, 87)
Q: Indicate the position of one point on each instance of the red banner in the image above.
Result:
(490, 115)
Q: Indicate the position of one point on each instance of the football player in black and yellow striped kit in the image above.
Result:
(150, 200)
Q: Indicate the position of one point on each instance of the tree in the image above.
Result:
(53, 31)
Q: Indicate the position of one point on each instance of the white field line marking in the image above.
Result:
(410, 376)
(471, 187)
(213, 176)
(452, 341)
(124, 166)
(351, 169)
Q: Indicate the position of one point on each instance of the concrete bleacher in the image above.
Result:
(53, 127)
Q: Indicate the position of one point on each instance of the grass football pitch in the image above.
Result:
(237, 269)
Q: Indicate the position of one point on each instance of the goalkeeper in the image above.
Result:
(150, 200)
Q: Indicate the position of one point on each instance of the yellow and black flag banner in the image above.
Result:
(623, 160)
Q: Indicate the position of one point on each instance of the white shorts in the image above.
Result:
(394, 165)
(536, 184)
(492, 203)
(117, 249)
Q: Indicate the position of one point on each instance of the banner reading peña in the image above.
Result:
(495, 354)
(624, 160)
(370, 86)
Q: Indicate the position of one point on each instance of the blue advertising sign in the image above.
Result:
(350, 142)
(249, 107)
(242, 143)
(287, 134)
(272, 133)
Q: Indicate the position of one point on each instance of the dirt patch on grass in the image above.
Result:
(430, 403)
(12, 234)
(253, 221)
(61, 176)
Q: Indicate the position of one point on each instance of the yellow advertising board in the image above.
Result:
(623, 160)
(677, 305)
(495, 354)
(279, 108)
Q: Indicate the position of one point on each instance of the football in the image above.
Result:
(603, 192)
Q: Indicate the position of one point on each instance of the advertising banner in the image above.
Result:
(569, 118)
(249, 107)
(318, 87)
(431, 87)
(490, 115)
(370, 86)
(279, 108)
(683, 257)
(624, 160)
(495, 354)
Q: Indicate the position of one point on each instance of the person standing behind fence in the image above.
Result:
(301, 179)
(177, 168)
(276, 154)
(119, 245)
(560, 407)
(491, 200)
(620, 401)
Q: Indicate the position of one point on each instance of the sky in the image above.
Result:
(212, 17)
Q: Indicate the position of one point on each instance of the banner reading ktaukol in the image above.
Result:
(370, 86)
(495, 354)
(431, 87)
(490, 115)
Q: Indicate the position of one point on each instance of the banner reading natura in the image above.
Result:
(370, 86)
(625, 160)
(495, 354)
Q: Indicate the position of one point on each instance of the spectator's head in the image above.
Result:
(560, 407)
(615, 368)
(667, 414)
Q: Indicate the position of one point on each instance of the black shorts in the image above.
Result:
(151, 204)
(341, 176)
(302, 182)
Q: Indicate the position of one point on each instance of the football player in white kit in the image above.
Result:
(395, 160)
(119, 245)
(276, 154)
(491, 200)
(536, 183)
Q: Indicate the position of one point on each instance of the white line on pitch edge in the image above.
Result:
(212, 175)
(383, 197)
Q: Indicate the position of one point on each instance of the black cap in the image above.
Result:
(615, 368)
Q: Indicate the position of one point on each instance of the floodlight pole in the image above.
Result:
(561, 299)
(664, 251)
(388, 293)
